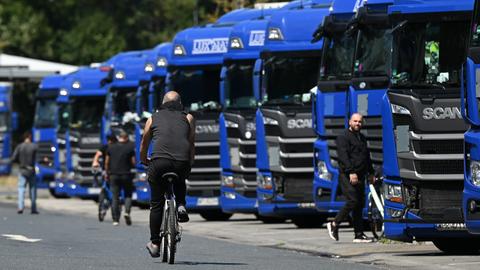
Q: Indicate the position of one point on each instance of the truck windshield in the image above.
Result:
(45, 113)
(159, 89)
(434, 51)
(123, 104)
(288, 80)
(63, 116)
(372, 53)
(198, 87)
(86, 113)
(239, 85)
(338, 58)
(3, 122)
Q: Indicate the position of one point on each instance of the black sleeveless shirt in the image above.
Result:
(170, 130)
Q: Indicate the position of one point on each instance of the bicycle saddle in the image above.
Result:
(170, 176)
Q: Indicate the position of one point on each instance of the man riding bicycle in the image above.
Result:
(173, 133)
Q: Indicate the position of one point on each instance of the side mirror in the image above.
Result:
(470, 93)
(14, 120)
(223, 76)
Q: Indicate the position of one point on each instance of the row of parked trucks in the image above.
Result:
(271, 89)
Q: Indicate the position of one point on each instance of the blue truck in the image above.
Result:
(360, 43)
(8, 124)
(240, 95)
(44, 130)
(194, 71)
(470, 108)
(423, 128)
(82, 101)
(284, 135)
(149, 98)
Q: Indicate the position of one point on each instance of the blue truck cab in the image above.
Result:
(44, 130)
(194, 71)
(82, 101)
(470, 108)
(240, 94)
(8, 124)
(284, 135)
(422, 124)
(149, 98)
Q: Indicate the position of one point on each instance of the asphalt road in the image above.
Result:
(53, 240)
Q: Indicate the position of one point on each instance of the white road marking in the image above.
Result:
(22, 238)
(464, 263)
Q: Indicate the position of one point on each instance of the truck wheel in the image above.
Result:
(270, 220)
(215, 215)
(458, 246)
(309, 222)
(55, 195)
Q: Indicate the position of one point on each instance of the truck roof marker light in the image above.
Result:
(76, 85)
(397, 109)
(149, 67)
(162, 62)
(119, 75)
(63, 92)
(236, 43)
(275, 34)
(179, 50)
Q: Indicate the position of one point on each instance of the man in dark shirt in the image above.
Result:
(355, 166)
(25, 154)
(119, 161)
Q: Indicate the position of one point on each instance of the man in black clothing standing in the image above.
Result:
(119, 161)
(172, 131)
(355, 166)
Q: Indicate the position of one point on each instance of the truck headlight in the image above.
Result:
(75, 160)
(397, 109)
(141, 177)
(269, 121)
(264, 182)
(475, 173)
(323, 171)
(393, 193)
(230, 124)
(227, 180)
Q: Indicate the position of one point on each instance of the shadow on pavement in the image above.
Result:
(207, 263)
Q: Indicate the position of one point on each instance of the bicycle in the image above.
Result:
(170, 229)
(104, 197)
(376, 208)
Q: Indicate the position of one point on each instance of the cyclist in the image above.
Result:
(173, 133)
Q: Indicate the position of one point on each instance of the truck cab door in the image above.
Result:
(470, 110)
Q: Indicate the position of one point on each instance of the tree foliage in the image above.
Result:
(80, 32)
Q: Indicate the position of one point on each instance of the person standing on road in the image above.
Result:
(355, 165)
(119, 161)
(25, 154)
(173, 134)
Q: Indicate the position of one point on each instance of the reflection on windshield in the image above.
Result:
(123, 105)
(198, 87)
(372, 53)
(45, 113)
(3, 122)
(338, 57)
(436, 50)
(289, 79)
(86, 113)
(63, 116)
(239, 85)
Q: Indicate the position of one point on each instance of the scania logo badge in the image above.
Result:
(440, 113)
(204, 129)
(299, 123)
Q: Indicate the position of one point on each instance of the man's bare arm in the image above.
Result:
(191, 137)
(96, 159)
(146, 138)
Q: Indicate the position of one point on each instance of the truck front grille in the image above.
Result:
(334, 127)
(290, 155)
(372, 129)
(295, 187)
(45, 150)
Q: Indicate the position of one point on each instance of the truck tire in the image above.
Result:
(215, 215)
(270, 220)
(458, 246)
(309, 222)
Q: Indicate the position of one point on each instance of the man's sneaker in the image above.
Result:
(115, 223)
(153, 249)
(34, 212)
(182, 214)
(362, 238)
(20, 211)
(332, 231)
(128, 220)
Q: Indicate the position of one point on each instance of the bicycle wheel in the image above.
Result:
(163, 242)
(172, 233)
(102, 205)
(376, 220)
